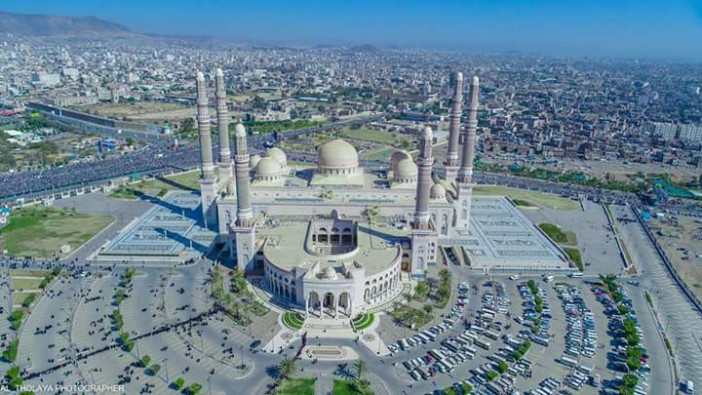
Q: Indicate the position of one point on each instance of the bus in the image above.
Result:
(568, 361)
(482, 344)
(577, 274)
(492, 334)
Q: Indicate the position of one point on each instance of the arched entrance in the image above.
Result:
(329, 303)
(345, 302)
(313, 303)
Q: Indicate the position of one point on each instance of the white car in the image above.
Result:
(514, 277)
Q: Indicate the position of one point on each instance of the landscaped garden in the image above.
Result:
(293, 320)
(363, 321)
(558, 235)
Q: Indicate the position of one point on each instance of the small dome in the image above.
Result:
(329, 273)
(406, 168)
(396, 157)
(337, 157)
(279, 156)
(239, 130)
(254, 161)
(428, 135)
(267, 169)
(437, 192)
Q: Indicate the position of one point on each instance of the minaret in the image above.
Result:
(424, 163)
(465, 173)
(451, 164)
(241, 159)
(208, 185)
(226, 174)
(424, 238)
(243, 233)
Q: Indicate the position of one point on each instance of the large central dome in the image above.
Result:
(337, 157)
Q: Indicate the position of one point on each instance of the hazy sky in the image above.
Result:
(647, 28)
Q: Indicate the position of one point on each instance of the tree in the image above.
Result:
(360, 367)
(193, 389)
(130, 141)
(428, 308)
(178, 384)
(421, 289)
(258, 102)
(187, 125)
(145, 360)
(445, 275)
(287, 367)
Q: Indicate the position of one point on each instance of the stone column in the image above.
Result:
(451, 164)
(226, 174)
(465, 173)
(424, 162)
(336, 306)
(307, 303)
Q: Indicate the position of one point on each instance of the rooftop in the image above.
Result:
(284, 246)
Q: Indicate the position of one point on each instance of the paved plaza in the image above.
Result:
(170, 231)
(502, 238)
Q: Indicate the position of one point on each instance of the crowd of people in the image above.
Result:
(152, 160)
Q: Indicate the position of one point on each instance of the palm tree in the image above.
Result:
(445, 275)
(287, 367)
(360, 366)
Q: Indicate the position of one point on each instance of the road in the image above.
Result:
(680, 320)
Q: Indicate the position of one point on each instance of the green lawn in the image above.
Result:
(26, 283)
(28, 273)
(540, 199)
(40, 231)
(343, 387)
(155, 187)
(574, 255)
(19, 297)
(524, 203)
(297, 387)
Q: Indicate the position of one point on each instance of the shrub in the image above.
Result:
(491, 375)
(193, 389)
(10, 354)
(154, 369)
(178, 384)
(28, 300)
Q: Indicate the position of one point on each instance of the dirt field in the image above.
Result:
(133, 110)
(681, 238)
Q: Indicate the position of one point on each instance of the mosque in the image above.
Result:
(336, 239)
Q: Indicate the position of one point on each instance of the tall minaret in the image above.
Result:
(465, 173)
(424, 163)
(226, 174)
(424, 238)
(243, 194)
(451, 164)
(243, 233)
(208, 185)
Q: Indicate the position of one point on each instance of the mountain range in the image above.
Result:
(54, 25)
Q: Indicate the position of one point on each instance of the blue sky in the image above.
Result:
(630, 28)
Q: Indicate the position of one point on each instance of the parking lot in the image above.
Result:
(526, 334)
